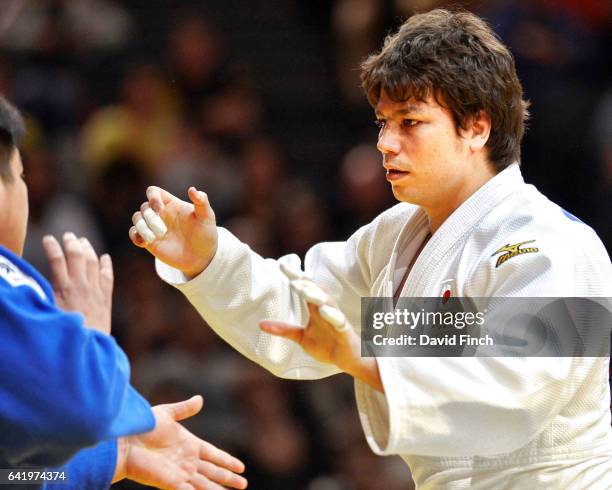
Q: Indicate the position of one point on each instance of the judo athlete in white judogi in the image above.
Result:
(451, 115)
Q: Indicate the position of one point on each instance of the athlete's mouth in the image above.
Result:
(394, 174)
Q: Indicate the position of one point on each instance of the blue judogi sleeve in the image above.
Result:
(91, 468)
(63, 387)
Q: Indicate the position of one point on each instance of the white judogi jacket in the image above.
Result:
(478, 423)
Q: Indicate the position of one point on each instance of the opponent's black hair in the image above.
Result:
(11, 131)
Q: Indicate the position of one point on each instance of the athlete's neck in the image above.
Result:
(446, 206)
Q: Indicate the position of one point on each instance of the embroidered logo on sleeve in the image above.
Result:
(510, 251)
(13, 275)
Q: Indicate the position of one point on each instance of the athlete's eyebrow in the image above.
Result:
(409, 109)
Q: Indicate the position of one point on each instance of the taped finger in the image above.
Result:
(309, 291)
(144, 231)
(291, 272)
(136, 238)
(335, 317)
(154, 222)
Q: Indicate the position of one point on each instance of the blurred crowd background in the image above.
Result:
(258, 103)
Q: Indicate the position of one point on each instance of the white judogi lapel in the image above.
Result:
(424, 276)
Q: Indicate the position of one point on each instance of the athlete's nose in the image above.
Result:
(388, 141)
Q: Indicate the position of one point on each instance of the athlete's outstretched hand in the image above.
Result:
(186, 235)
(171, 457)
(328, 336)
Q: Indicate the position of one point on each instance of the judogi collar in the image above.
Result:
(453, 230)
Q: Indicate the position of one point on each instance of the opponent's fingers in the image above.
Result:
(151, 466)
(213, 454)
(158, 198)
(200, 482)
(107, 275)
(142, 228)
(92, 266)
(75, 257)
(221, 475)
(136, 238)
(153, 220)
(185, 486)
(203, 210)
(57, 262)
(186, 408)
(281, 329)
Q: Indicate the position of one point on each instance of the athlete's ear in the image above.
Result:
(478, 131)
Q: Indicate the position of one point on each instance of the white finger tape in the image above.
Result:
(291, 272)
(335, 317)
(144, 231)
(297, 285)
(309, 291)
(155, 223)
(314, 295)
(303, 284)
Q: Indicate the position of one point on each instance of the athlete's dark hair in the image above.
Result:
(456, 58)
(11, 132)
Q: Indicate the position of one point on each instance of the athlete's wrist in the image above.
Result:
(367, 372)
(200, 266)
(364, 369)
(122, 456)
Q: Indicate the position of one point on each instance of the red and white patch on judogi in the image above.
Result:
(447, 291)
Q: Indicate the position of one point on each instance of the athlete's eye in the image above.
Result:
(407, 123)
(380, 123)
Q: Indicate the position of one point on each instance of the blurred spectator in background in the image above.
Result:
(141, 126)
(364, 191)
(187, 360)
(52, 209)
(356, 25)
(253, 231)
(113, 190)
(97, 25)
(233, 114)
(559, 48)
(193, 158)
(141, 330)
(6, 78)
(279, 449)
(50, 39)
(262, 177)
(196, 55)
(302, 219)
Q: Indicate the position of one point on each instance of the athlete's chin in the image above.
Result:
(404, 194)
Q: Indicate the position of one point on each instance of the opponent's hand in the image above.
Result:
(81, 282)
(328, 336)
(186, 239)
(171, 457)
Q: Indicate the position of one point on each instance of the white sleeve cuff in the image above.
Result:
(226, 247)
